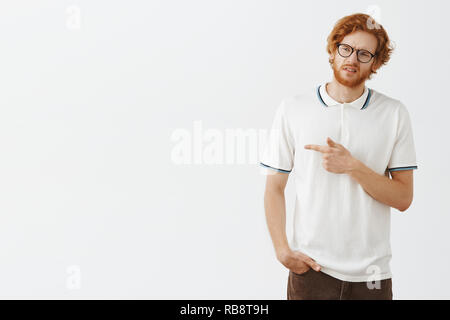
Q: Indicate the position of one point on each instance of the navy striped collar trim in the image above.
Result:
(366, 102)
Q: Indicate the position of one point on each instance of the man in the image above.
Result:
(343, 139)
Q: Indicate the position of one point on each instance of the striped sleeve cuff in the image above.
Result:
(402, 168)
(279, 170)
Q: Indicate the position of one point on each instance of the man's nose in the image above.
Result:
(353, 58)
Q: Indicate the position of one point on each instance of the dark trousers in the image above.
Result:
(313, 285)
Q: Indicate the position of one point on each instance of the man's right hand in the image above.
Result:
(297, 262)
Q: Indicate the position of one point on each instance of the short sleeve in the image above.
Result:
(278, 150)
(403, 156)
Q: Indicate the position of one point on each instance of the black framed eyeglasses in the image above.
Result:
(362, 55)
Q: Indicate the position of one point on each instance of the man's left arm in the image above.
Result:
(396, 192)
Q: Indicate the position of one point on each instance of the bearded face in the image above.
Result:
(349, 71)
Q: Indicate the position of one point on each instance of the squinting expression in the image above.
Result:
(361, 71)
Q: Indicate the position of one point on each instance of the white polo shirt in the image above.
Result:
(336, 222)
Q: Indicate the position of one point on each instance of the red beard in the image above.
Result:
(352, 80)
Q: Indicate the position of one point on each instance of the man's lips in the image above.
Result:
(350, 69)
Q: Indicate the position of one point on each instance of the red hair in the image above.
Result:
(362, 22)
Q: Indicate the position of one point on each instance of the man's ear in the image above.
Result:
(331, 58)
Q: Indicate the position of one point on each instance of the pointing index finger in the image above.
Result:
(314, 147)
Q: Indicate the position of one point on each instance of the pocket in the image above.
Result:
(301, 274)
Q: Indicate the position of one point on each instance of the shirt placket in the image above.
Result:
(344, 124)
(345, 142)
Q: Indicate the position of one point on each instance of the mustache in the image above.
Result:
(347, 65)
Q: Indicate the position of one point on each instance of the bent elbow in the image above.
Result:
(405, 206)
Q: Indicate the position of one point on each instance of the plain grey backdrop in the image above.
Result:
(93, 95)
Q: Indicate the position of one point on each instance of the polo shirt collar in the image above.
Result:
(361, 103)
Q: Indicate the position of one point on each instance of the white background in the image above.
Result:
(92, 204)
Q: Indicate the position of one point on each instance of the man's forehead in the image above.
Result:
(361, 40)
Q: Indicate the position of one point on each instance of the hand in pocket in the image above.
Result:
(298, 262)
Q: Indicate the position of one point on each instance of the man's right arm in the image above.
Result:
(275, 209)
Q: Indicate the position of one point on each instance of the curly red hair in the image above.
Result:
(362, 22)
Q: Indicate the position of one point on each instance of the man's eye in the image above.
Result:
(365, 54)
